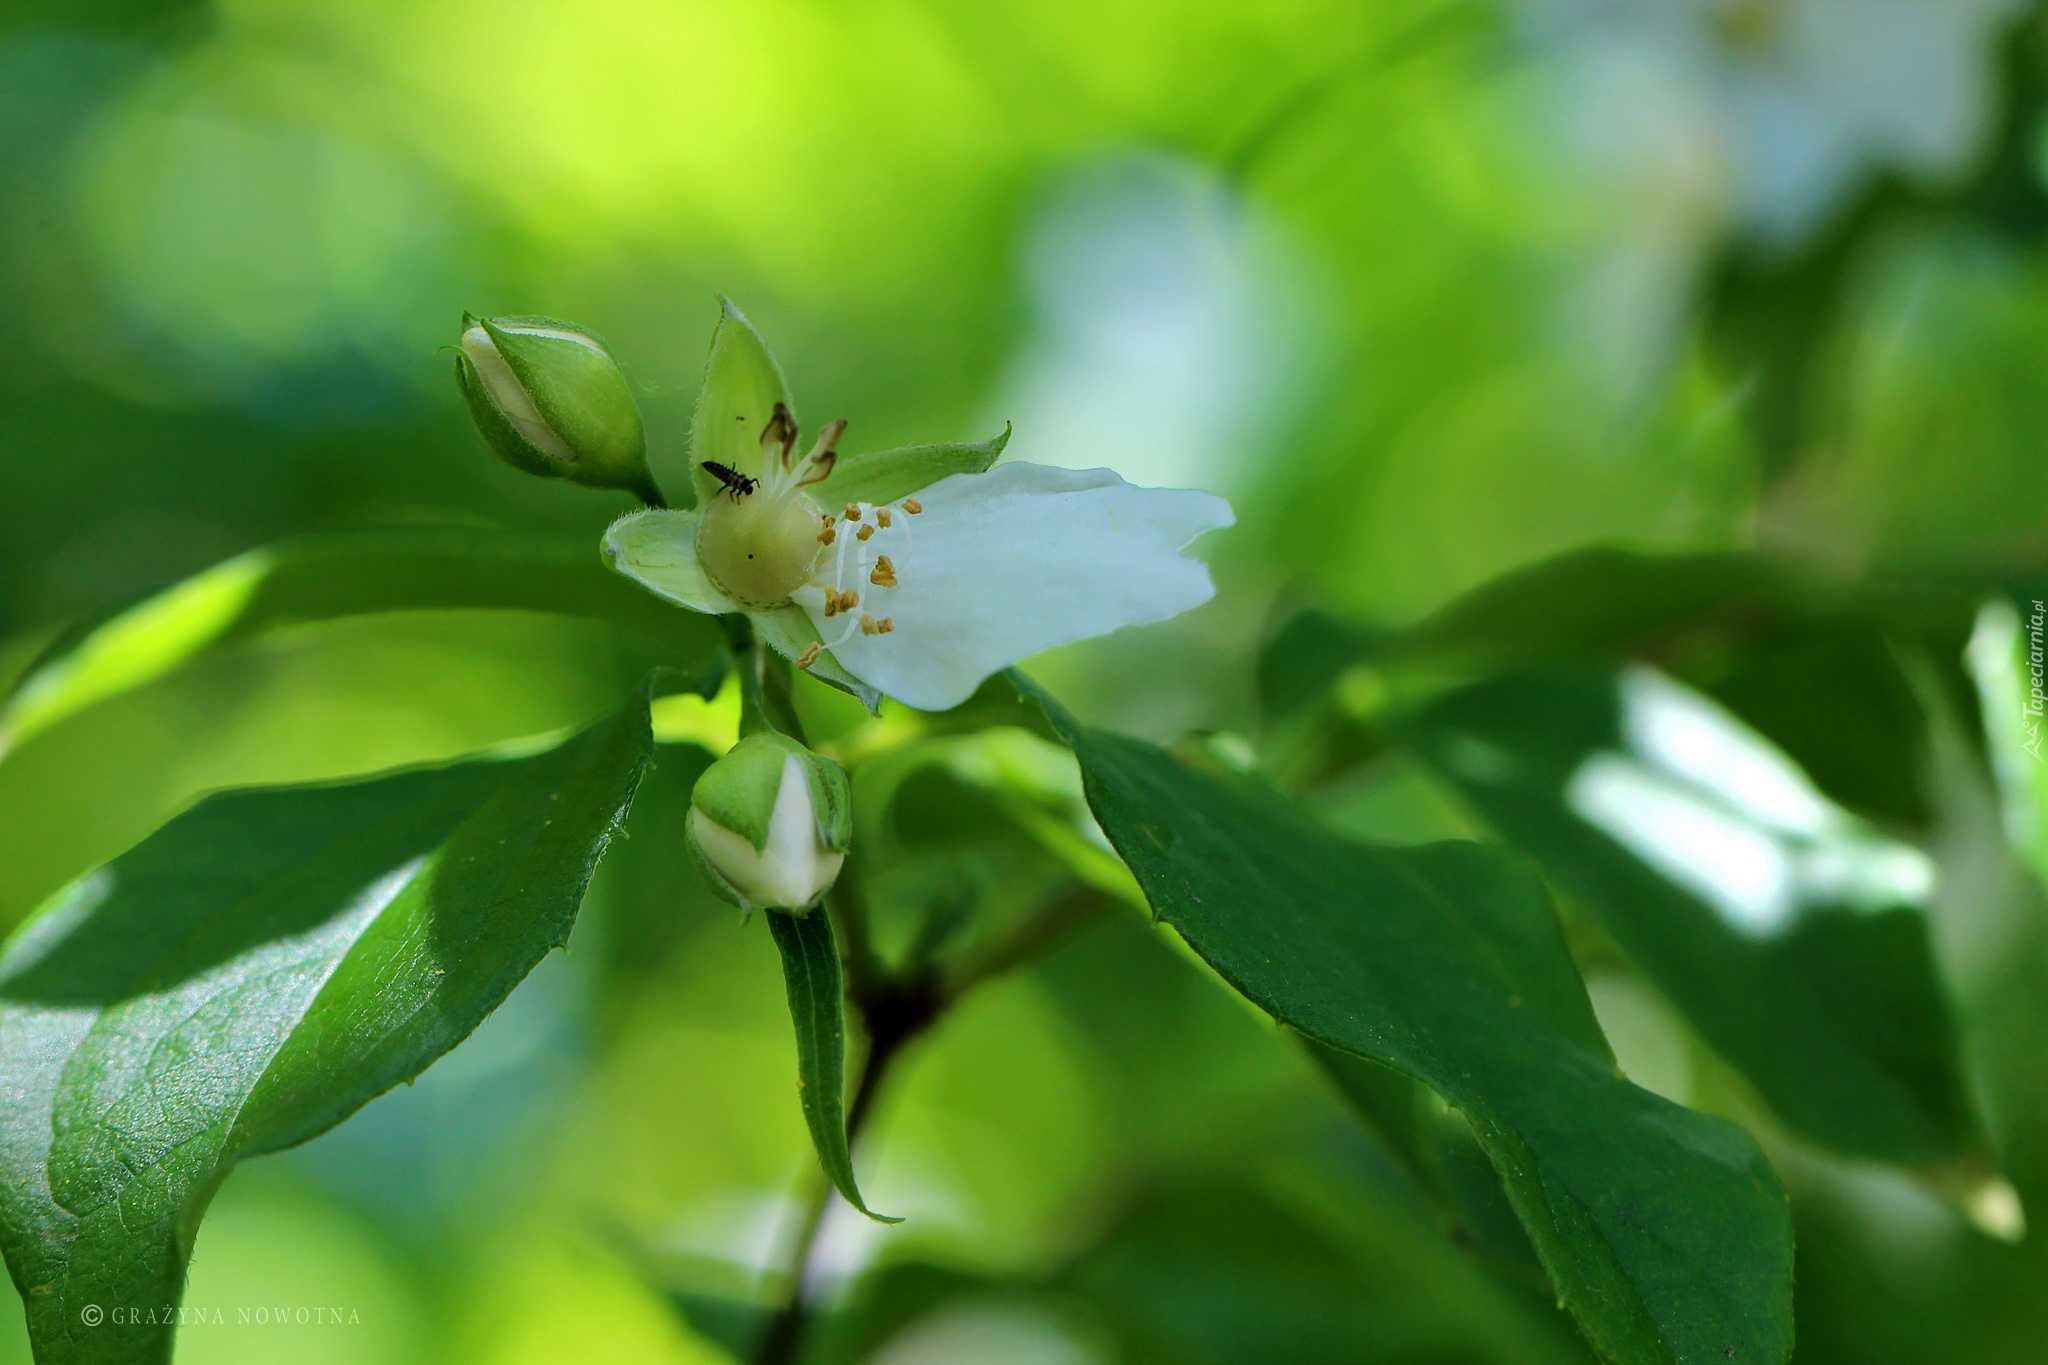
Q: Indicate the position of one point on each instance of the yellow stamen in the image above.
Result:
(884, 574)
(810, 654)
(885, 625)
(864, 533)
(868, 626)
(853, 511)
(848, 600)
(882, 517)
(912, 506)
(828, 535)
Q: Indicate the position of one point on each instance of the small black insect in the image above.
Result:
(737, 485)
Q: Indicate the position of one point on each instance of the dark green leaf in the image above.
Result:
(1436, 1149)
(248, 977)
(1220, 1273)
(886, 475)
(1306, 657)
(817, 1005)
(1224, 1274)
(1664, 1232)
(1811, 662)
(1607, 601)
(1831, 1009)
(318, 578)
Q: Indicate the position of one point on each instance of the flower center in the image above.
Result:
(867, 529)
(759, 547)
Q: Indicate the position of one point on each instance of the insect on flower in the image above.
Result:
(737, 485)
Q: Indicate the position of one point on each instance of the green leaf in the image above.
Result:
(2001, 663)
(1437, 1150)
(1220, 1274)
(742, 385)
(1818, 986)
(1307, 655)
(1605, 600)
(248, 977)
(1664, 1231)
(1812, 662)
(886, 475)
(817, 1006)
(320, 578)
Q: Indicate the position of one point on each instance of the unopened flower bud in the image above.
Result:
(770, 823)
(550, 399)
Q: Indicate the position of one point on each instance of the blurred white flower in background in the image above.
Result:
(1691, 122)
(1173, 326)
(1810, 99)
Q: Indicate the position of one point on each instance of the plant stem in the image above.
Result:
(895, 1013)
(785, 1330)
(766, 699)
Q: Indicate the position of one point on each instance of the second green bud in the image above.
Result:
(770, 824)
(550, 399)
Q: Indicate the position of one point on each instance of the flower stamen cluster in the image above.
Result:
(881, 572)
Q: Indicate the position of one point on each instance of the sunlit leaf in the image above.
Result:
(1788, 932)
(248, 977)
(321, 578)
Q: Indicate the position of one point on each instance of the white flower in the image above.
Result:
(916, 572)
(925, 596)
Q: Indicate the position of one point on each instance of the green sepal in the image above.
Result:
(831, 801)
(817, 1007)
(739, 790)
(788, 630)
(742, 385)
(886, 475)
(582, 394)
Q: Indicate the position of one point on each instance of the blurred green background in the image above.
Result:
(1428, 290)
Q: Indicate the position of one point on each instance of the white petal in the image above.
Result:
(1002, 565)
(659, 551)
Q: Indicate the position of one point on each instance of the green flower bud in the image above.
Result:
(770, 824)
(550, 399)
